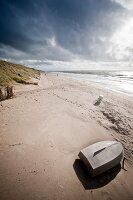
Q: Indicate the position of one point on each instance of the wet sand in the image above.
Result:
(42, 131)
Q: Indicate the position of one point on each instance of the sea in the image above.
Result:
(119, 81)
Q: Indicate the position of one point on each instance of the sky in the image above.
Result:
(67, 34)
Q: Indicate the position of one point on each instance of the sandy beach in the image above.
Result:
(42, 130)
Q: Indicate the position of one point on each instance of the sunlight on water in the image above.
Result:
(120, 81)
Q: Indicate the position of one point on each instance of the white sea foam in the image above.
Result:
(121, 81)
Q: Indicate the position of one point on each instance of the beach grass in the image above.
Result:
(13, 73)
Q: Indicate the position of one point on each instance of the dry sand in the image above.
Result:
(42, 131)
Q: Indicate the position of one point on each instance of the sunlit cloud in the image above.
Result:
(121, 43)
(77, 64)
(125, 3)
(52, 41)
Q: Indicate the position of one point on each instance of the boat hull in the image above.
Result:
(102, 156)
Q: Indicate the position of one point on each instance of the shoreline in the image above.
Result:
(101, 84)
(42, 131)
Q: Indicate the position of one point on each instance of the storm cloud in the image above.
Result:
(64, 30)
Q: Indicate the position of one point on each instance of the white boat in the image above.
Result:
(102, 156)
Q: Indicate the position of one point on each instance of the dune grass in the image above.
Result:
(13, 73)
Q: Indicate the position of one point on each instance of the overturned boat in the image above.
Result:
(102, 156)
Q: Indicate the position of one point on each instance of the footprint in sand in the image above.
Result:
(106, 195)
(51, 144)
(33, 172)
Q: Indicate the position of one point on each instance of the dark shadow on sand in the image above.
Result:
(97, 103)
(89, 182)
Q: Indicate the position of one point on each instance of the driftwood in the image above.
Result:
(6, 92)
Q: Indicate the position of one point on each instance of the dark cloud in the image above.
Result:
(58, 29)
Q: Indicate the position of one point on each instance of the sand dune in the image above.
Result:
(42, 131)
